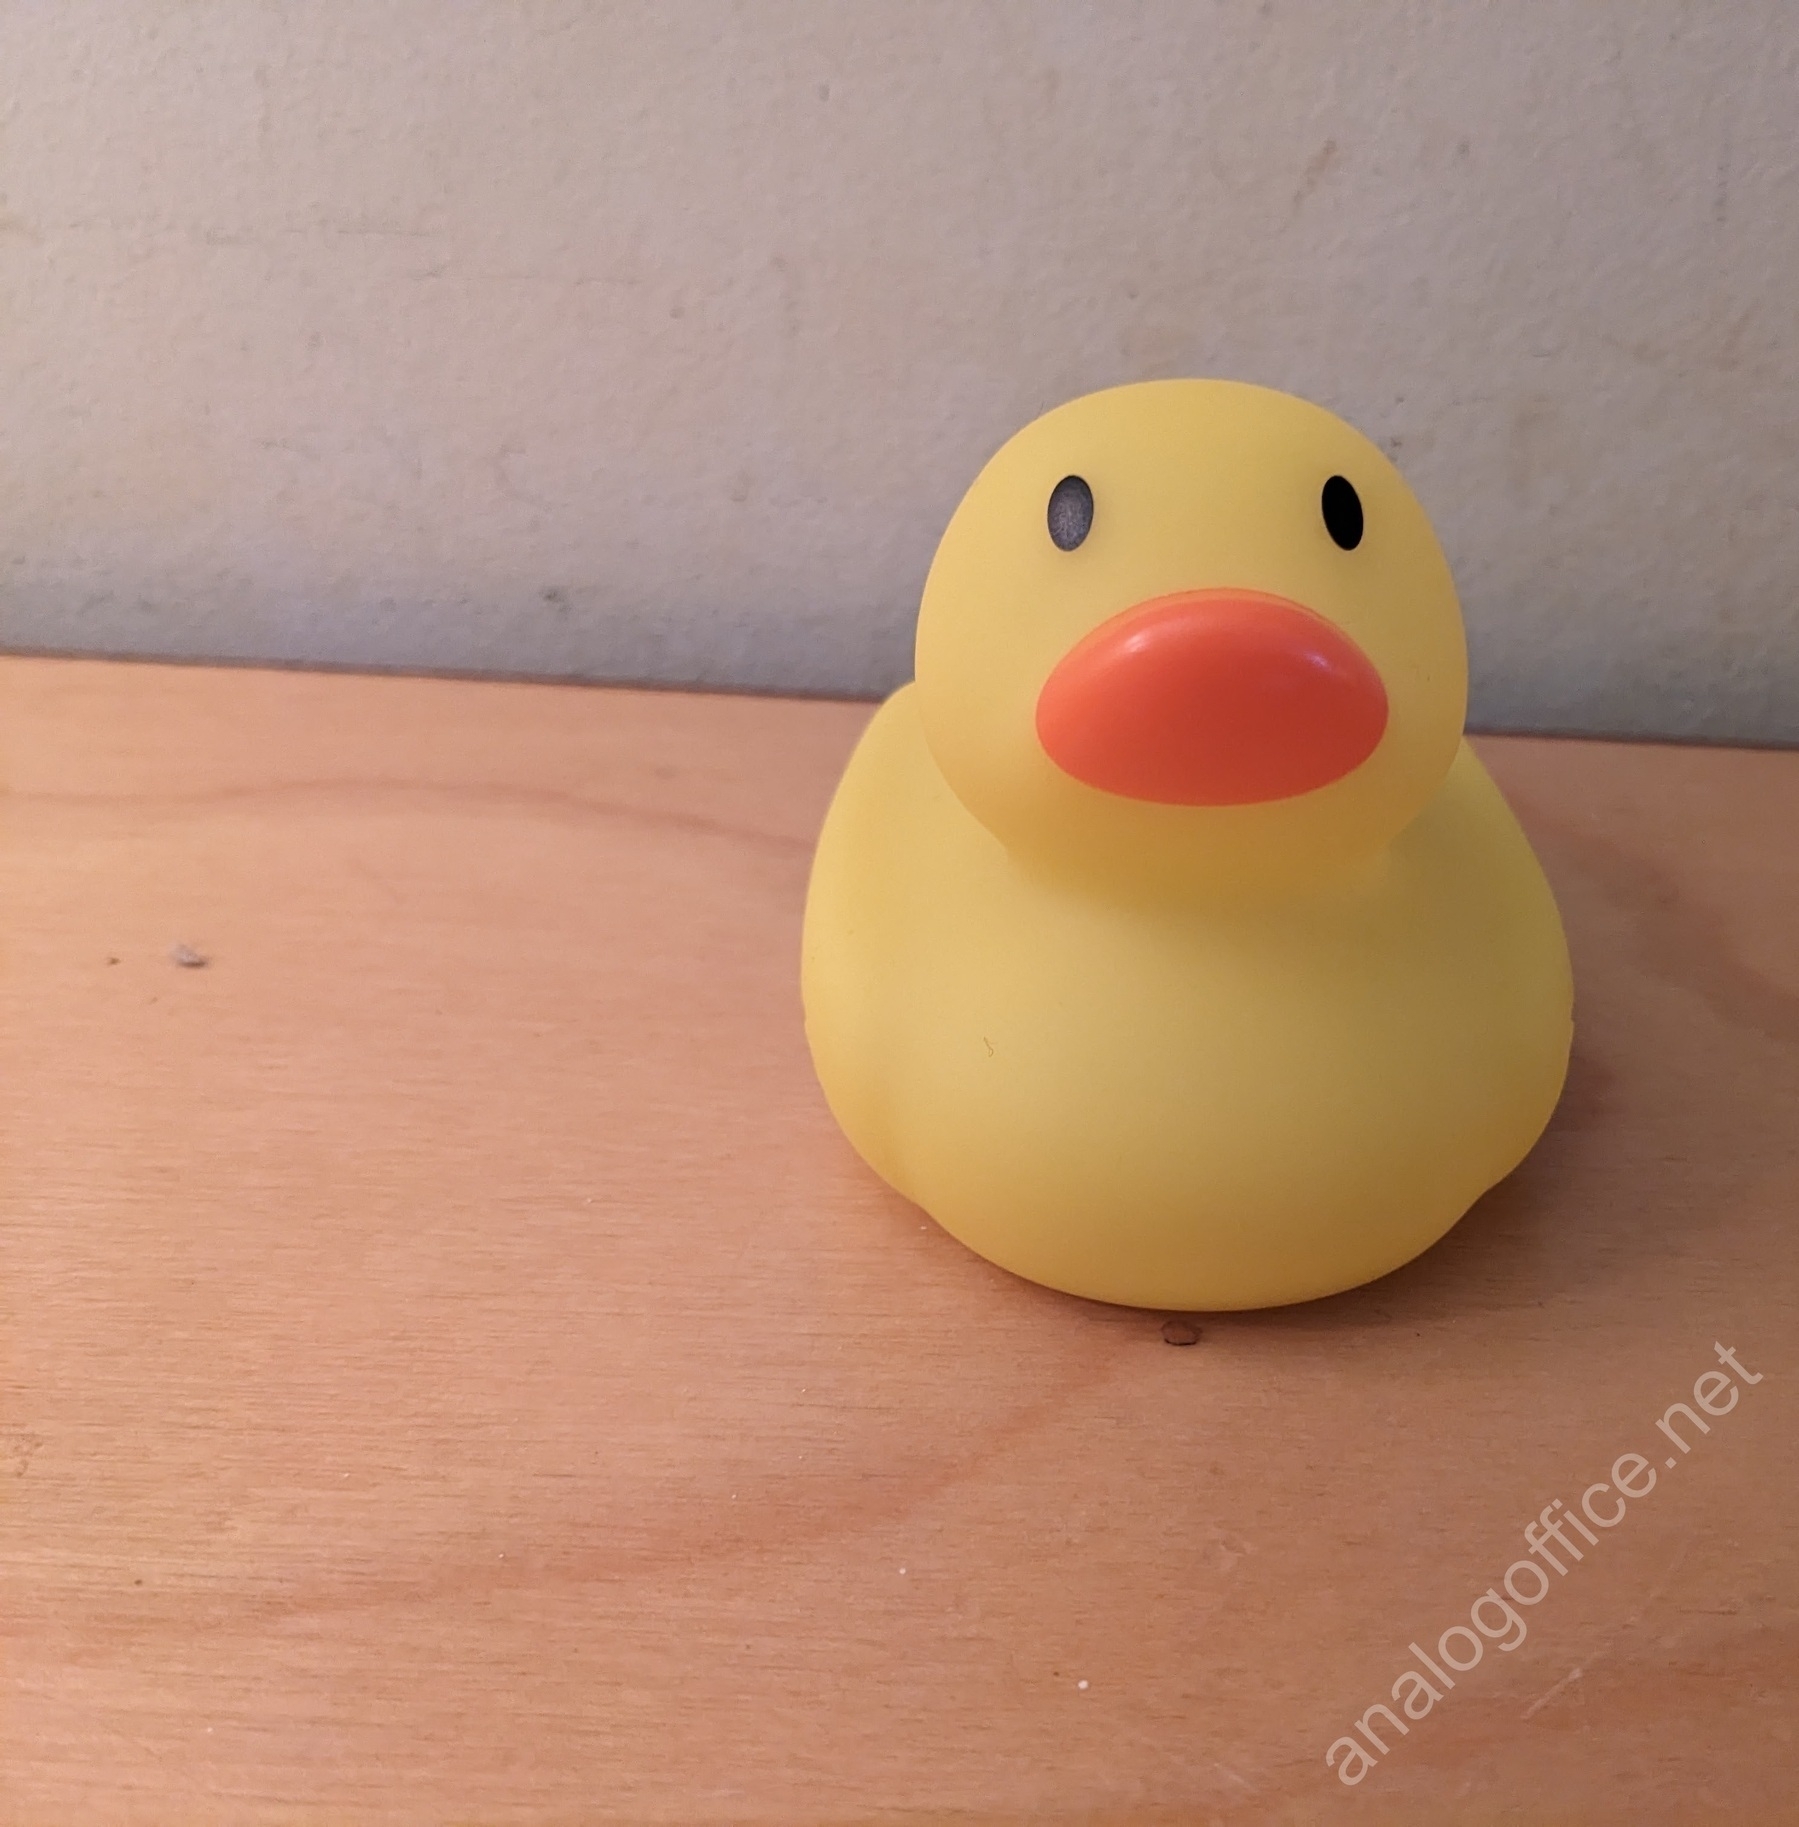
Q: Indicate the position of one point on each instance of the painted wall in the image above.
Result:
(657, 341)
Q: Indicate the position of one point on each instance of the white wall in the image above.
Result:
(658, 340)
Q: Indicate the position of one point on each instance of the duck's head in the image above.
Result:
(1191, 633)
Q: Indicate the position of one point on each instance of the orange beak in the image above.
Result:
(1212, 698)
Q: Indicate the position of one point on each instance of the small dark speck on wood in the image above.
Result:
(1179, 1332)
(188, 958)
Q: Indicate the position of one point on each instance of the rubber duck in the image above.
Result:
(1165, 940)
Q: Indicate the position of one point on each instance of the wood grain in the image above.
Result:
(453, 1370)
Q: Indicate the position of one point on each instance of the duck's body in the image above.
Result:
(1166, 942)
(1202, 1103)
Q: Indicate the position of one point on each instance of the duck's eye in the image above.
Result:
(1070, 512)
(1342, 512)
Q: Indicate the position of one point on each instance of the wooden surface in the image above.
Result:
(452, 1369)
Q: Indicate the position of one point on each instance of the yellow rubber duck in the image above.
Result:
(1165, 941)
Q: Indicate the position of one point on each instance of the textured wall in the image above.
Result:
(658, 340)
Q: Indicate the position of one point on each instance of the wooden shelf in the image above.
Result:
(453, 1369)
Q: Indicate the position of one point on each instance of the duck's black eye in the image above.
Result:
(1342, 512)
(1070, 512)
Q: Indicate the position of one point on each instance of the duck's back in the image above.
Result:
(1169, 1105)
